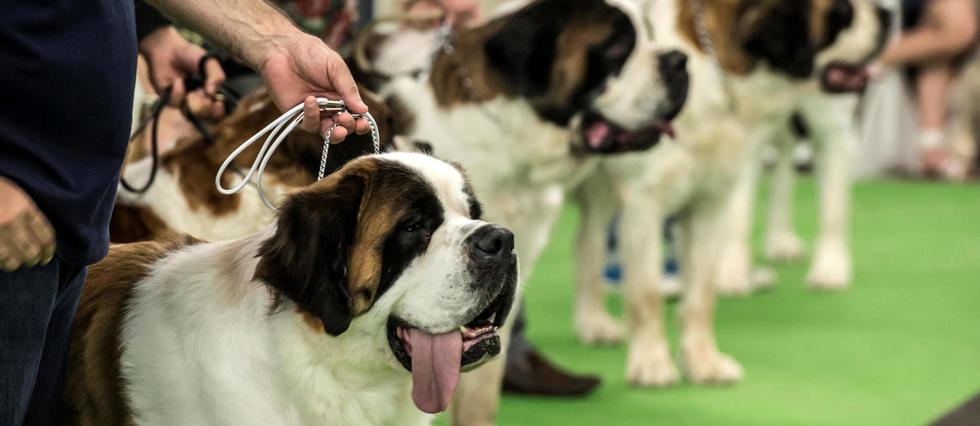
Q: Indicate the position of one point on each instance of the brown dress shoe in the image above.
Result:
(531, 374)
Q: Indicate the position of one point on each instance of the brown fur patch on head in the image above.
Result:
(327, 255)
(819, 9)
(787, 34)
(464, 76)
(551, 52)
(93, 384)
(568, 71)
(721, 19)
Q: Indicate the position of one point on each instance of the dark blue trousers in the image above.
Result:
(37, 306)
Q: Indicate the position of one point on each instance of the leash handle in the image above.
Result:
(154, 145)
(276, 132)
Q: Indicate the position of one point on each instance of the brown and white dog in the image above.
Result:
(375, 287)
(526, 103)
(772, 57)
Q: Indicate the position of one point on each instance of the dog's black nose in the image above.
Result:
(491, 244)
(672, 66)
(672, 62)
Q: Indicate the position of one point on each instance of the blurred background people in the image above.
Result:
(937, 38)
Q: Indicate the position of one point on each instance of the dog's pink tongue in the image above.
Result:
(435, 368)
(596, 134)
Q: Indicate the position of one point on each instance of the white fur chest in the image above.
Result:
(336, 386)
(200, 348)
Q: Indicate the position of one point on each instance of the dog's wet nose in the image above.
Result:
(492, 244)
(672, 66)
(672, 62)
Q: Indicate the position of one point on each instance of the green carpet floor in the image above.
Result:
(900, 347)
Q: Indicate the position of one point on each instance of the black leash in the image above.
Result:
(229, 97)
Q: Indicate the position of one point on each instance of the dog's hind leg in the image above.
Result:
(597, 206)
(733, 274)
(649, 362)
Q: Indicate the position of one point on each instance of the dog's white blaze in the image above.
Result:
(853, 43)
(633, 96)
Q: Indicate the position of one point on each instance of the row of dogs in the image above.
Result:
(369, 292)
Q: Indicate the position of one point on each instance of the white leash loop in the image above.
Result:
(277, 134)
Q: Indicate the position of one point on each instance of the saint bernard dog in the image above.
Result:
(374, 289)
(527, 103)
(753, 62)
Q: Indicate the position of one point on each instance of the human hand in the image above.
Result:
(301, 68)
(459, 13)
(26, 237)
(171, 59)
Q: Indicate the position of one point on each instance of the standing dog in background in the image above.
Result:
(752, 62)
(525, 103)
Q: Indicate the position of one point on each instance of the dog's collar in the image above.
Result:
(708, 47)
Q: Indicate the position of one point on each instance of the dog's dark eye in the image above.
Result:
(618, 50)
(413, 227)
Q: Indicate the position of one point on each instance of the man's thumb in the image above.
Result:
(345, 86)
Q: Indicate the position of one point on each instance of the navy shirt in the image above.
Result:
(67, 73)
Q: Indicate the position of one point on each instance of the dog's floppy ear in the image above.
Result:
(779, 33)
(523, 48)
(307, 258)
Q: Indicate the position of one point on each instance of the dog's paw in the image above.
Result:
(671, 286)
(599, 328)
(650, 365)
(734, 273)
(704, 364)
(763, 278)
(831, 269)
(784, 246)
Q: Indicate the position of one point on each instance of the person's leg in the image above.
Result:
(27, 299)
(932, 86)
(932, 90)
(45, 405)
(528, 372)
(947, 28)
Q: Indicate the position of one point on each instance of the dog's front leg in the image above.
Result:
(834, 136)
(597, 205)
(649, 362)
(699, 251)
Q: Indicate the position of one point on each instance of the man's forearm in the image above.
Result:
(248, 29)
